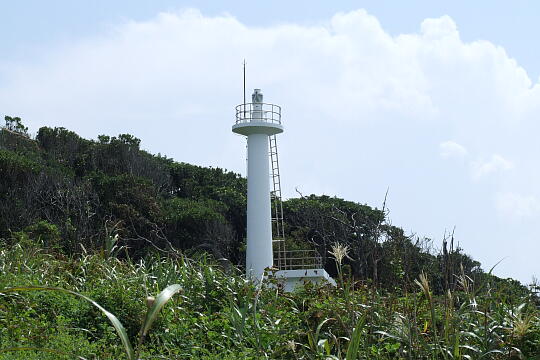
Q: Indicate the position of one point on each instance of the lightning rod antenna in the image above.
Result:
(244, 82)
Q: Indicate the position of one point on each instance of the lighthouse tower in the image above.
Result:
(258, 121)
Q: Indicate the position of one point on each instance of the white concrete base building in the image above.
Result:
(290, 279)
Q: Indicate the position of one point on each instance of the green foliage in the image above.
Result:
(15, 125)
(45, 233)
(220, 315)
(151, 316)
(16, 168)
(113, 319)
(82, 185)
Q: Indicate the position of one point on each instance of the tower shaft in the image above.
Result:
(259, 254)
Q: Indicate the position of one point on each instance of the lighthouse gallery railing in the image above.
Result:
(264, 112)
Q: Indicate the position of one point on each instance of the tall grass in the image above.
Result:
(220, 315)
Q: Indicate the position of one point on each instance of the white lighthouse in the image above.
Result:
(258, 121)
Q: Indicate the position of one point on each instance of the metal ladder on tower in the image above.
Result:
(278, 226)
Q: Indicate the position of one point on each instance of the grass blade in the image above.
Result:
(318, 331)
(354, 344)
(160, 301)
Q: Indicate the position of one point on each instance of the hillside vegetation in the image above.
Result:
(117, 224)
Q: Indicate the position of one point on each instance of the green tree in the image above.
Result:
(15, 124)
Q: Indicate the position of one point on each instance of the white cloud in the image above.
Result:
(496, 164)
(450, 149)
(363, 110)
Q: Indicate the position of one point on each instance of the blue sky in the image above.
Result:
(437, 101)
